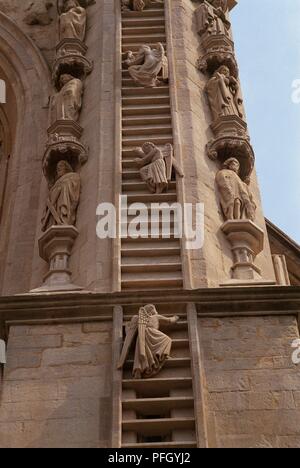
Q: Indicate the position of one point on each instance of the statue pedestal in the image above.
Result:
(230, 125)
(55, 248)
(65, 128)
(71, 46)
(247, 241)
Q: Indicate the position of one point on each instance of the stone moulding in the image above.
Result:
(226, 146)
(211, 302)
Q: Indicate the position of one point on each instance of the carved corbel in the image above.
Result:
(219, 50)
(223, 147)
(66, 147)
(71, 63)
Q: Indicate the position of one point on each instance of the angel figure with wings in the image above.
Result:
(156, 166)
(152, 347)
(145, 66)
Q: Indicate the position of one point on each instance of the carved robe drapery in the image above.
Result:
(236, 199)
(67, 103)
(152, 347)
(213, 18)
(154, 172)
(62, 202)
(156, 166)
(145, 66)
(72, 22)
(224, 94)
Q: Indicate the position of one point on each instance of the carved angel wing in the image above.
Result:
(143, 321)
(168, 154)
(165, 68)
(131, 330)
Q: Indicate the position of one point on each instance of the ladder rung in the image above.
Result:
(162, 445)
(158, 427)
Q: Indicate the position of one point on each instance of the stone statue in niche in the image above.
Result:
(63, 198)
(137, 5)
(156, 166)
(237, 201)
(212, 17)
(152, 348)
(72, 21)
(224, 94)
(67, 103)
(145, 66)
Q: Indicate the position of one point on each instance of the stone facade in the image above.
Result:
(250, 381)
(57, 385)
(87, 119)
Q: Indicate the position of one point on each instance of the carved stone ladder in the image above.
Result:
(146, 116)
(158, 412)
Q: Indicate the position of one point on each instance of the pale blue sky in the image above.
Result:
(267, 38)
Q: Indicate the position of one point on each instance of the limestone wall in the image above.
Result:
(57, 386)
(252, 385)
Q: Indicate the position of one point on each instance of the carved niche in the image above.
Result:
(236, 199)
(64, 133)
(63, 198)
(239, 211)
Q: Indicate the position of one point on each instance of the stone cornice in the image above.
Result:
(83, 306)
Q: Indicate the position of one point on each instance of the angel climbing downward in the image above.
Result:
(152, 347)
